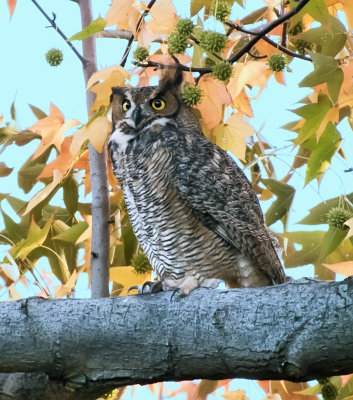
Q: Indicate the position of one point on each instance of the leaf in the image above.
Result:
(280, 207)
(255, 16)
(127, 276)
(215, 95)
(344, 268)
(73, 233)
(94, 26)
(52, 129)
(332, 239)
(235, 395)
(35, 238)
(103, 90)
(163, 17)
(314, 115)
(11, 4)
(38, 112)
(96, 132)
(44, 193)
(66, 288)
(349, 223)
(204, 388)
(242, 104)
(4, 170)
(326, 70)
(322, 153)
(318, 10)
(124, 14)
(70, 188)
(310, 390)
(197, 5)
(232, 134)
(318, 214)
(63, 162)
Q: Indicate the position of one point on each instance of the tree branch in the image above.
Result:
(99, 178)
(60, 32)
(297, 331)
(267, 29)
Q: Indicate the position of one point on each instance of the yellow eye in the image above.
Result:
(158, 104)
(126, 105)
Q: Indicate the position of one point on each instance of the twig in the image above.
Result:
(138, 27)
(267, 29)
(268, 40)
(60, 32)
(174, 66)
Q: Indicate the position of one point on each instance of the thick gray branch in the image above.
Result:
(297, 331)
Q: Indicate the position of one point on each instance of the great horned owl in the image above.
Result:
(192, 209)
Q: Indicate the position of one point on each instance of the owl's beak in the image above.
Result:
(137, 115)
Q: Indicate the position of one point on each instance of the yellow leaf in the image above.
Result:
(214, 96)
(344, 268)
(43, 194)
(164, 17)
(123, 13)
(14, 293)
(127, 276)
(66, 289)
(253, 73)
(231, 135)
(242, 104)
(348, 9)
(96, 132)
(52, 129)
(235, 395)
(104, 74)
(103, 90)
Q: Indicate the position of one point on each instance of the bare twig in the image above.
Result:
(138, 27)
(174, 66)
(60, 32)
(268, 28)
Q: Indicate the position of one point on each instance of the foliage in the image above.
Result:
(55, 223)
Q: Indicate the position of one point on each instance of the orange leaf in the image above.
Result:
(52, 129)
(112, 76)
(83, 164)
(279, 76)
(11, 4)
(344, 268)
(124, 14)
(242, 104)
(1, 118)
(253, 73)
(62, 163)
(348, 9)
(235, 395)
(44, 193)
(215, 95)
(345, 379)
(66, 289)
(96, 132)
(163, 16)
(266, 49)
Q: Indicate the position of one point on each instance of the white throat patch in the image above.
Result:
(121, 138)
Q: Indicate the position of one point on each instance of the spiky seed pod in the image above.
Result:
(141, 53)
(298, 28)
(222, 71)
(54, 57)
(301, 45)
(185, 27)
(141, 264)
(177, 43)
(329, 391)
(212, 41)
(276, 62)
(337, 216)
(220, 10)
(191, 94)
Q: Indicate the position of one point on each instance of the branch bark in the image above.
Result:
(297, 331)
(99, 177)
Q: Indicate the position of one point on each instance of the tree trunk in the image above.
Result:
(297, 331)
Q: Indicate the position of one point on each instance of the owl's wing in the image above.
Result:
(223, 200)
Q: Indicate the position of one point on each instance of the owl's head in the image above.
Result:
(137, 109)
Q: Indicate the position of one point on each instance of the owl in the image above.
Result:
(192, 209)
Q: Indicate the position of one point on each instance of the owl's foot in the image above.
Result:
(152, 287)
(188, 284)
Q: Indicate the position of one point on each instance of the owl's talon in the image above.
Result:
(153, 287)
(135, 287)
(176, 290)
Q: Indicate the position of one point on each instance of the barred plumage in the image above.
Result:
(192, 209)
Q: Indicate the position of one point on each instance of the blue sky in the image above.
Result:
(26, 78)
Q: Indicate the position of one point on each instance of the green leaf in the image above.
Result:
(197, 56)
(13, 231)
(13, 111)
(310, 251)
(313, 115)
(27, 175)
(70, 187)
(17, 205)
(95, 26)
(4, 170)
(281, 206)
(326, 70)
(73, 233)
(255, 16)
(331, 241)
(322, 153)
(318, 214)
(38, 112)
(318, 10)
(196, 6)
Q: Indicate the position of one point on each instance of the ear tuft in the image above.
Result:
(172, 79)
